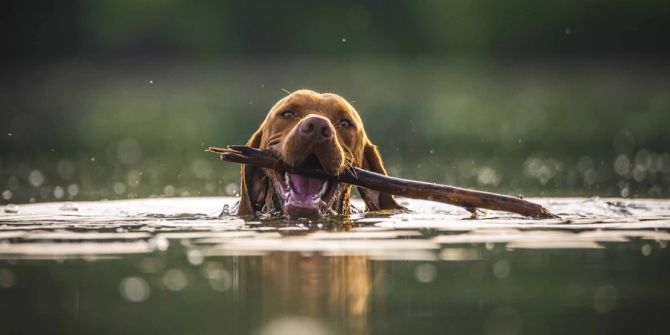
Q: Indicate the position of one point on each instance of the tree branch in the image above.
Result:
(457, 196)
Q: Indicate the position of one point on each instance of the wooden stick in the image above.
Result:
(469, 199)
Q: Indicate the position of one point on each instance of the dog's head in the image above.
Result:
(320, 131)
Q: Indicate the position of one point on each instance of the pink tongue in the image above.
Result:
(305, 186)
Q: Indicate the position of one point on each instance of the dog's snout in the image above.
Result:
(318, 129)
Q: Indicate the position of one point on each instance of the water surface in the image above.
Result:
(174, 266)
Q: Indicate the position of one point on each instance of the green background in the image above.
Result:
(118, 99)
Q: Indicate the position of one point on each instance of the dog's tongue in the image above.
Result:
(306, 187)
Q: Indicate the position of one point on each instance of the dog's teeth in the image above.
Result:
(286, 179)
(323, 189)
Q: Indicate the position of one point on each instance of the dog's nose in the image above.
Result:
(317, 128)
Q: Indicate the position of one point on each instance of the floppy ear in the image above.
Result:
(375, 200)
(252, 189)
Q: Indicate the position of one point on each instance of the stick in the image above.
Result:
(468, 199)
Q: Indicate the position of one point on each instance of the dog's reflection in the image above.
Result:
(337, 288)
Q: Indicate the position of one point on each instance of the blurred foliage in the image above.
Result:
(117, 99)
(109, 28)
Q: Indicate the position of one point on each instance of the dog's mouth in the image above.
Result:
(302, 196)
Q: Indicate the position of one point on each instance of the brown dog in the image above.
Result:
(312, 130)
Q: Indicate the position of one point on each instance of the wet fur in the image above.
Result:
(351, 148)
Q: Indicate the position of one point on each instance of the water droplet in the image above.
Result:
(219, 278)
(232, 189)
(202, 169)
(36, 178)
(175, 280)
(134, 289)
(425, 273)
(133, 178)
(159, 243)
(646, 250)
(639, 173)
(73, 190)
(643, 157)
(488, 176)
(605, 298)
(195, 257)
(622, 165)
(625, 192)
(344, 39)
(169, 190)
(59, 192)
(7, 195)
(222, 282)
(501, 269)
(119, 188)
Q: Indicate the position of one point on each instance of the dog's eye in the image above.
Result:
(344, 123)
(288, 114)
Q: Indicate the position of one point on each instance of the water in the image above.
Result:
(172, 266)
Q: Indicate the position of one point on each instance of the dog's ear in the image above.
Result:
(375, 200)
(252, 188)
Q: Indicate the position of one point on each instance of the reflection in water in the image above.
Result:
(162, 266)
(294, 325)
(312, 284)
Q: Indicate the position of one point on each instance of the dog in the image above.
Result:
(311, 130)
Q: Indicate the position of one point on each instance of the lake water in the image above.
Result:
(172, 266)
